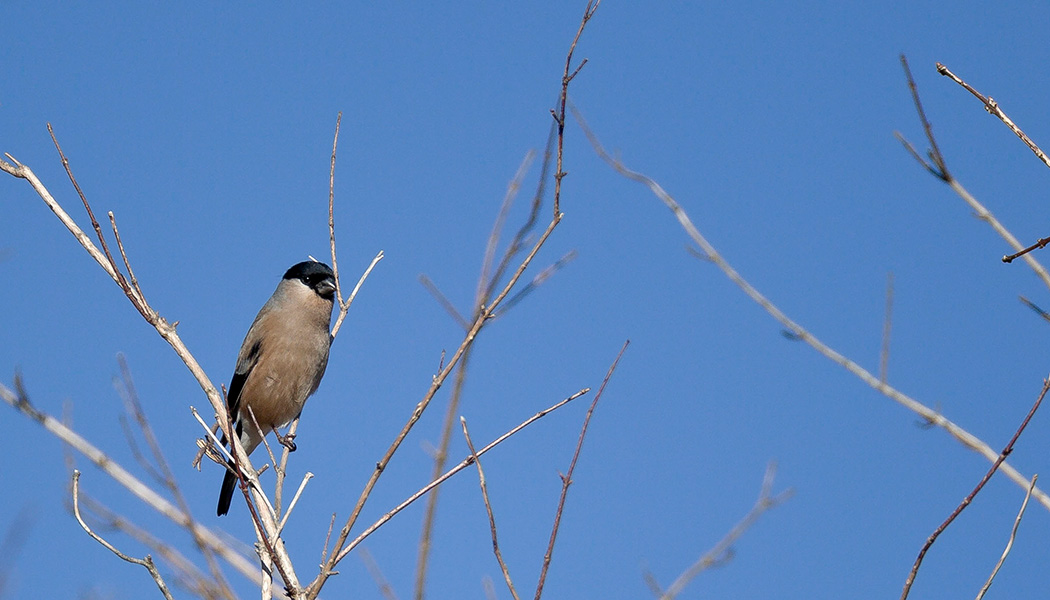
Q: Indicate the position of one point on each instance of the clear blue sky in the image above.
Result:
(207, 130)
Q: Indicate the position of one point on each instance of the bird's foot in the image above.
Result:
(287, 441)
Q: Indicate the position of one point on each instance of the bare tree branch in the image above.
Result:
(722, 552)
(973, 494)
(1010, 542)
(566, 479)
(123, 477)
(488, 509)
(992, 107)
(147, 562)
(798, 332)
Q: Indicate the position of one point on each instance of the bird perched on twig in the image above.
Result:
(281, 361)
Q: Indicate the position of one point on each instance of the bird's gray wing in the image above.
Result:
(246, 361)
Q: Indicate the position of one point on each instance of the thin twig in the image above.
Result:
(327, 569)
(559, 116)
(973, 494)
(327, 538)
(331, 211)
(1036, 309)
(887, 326)
(147, 562)
(993, 107)
(124, 257)
(929, 415)
(466, 462)
(488, 509)
(1009, 258)
(302, 485)
(20, 401)
(938, 166)
(1010, 542)
(566, 479)
(443, 301)
(353, 294)
(722, 552)
(131, 398)
(382, 583)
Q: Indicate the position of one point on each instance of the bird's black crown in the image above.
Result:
(310, 272)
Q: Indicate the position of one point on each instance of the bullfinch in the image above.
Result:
(281, 361)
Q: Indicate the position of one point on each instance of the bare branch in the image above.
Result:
(331, 211)
(122, 476)
(722, 552)
(796, 331)
(147, 562)
(938, 168)
(345, 307)
(887, 326)
(488, 509)
(941, 172)
(559, 116)
(1010, 542)
(992, 107)
(456, 469)
(973, 494)
(566, 479)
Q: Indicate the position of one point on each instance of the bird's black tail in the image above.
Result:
(229, 484)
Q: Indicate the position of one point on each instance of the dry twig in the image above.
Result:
(929, 415)
(723, 550)
(1010, 542)
(940, 170)
(566, 479)
(146, 562)
(973, 494)
(488, 509)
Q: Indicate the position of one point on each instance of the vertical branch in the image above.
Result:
(887, 325)
(331, 210)
(559, 116)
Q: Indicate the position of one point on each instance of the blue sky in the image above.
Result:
(207, 131)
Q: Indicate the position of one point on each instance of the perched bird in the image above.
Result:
(281, 361)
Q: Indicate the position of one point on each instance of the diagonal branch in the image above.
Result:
(992, 107)
(928, 414)
(566, 479)
(723, 550)
(973, 494)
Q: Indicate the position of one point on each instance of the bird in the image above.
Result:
(281, 361)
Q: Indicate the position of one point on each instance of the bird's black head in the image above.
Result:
(314, 275)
